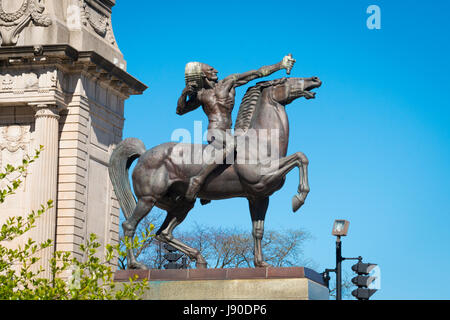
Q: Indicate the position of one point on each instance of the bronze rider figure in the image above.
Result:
(217, 98)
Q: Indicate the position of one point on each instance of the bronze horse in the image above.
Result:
(161, 178)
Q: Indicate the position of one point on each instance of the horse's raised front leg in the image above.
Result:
(258, 209)
(303, 188)
(164, 234)
(280, 167)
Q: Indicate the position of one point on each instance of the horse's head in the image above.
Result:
(293, 88)
(272, 93)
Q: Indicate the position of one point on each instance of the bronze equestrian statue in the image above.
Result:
(162, 175)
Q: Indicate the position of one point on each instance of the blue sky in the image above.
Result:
(377, 135)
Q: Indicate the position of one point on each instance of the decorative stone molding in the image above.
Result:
(7, 83)
(46, 111)
(99, 21)
(13, 17)
(18, 81)
(14, 144)
(12, 23)
(14, 137)
(47, 78)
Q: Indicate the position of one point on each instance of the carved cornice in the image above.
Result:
(13, 23)
(26, 53)
(112, 73)
(67, 59)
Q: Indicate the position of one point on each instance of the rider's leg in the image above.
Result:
(220, 147)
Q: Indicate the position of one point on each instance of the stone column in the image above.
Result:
(45, 179)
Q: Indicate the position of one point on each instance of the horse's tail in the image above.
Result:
(121, 159)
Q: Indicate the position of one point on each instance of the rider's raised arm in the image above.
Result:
(244, 78)
(185, 106)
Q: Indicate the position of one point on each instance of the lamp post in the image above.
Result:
(338, 268)
(340, 228)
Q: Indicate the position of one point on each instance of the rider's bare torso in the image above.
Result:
(218, 104)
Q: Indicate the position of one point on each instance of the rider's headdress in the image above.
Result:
(193, 73)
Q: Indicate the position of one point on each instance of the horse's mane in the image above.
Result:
(249, 102)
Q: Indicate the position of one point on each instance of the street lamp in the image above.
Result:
(340, 229)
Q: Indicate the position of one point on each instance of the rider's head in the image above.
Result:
(200, 73)
(209, 72)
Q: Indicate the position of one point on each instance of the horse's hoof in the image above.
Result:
(201, 265)
(297, 202)
(204, 201)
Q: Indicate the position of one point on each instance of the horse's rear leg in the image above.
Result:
(165, 234)
(258, 209)
(143, 207)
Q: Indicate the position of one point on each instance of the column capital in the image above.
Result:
(46, 110)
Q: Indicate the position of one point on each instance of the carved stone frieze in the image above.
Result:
(41, 81)
(14, 18)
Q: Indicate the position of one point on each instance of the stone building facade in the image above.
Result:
(63, 84)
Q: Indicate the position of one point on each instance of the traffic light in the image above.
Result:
(363, 280)
(172, 257)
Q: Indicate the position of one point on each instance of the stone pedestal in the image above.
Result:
(63, 85)
(293, 283)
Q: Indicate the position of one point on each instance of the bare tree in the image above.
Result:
(226, 247)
